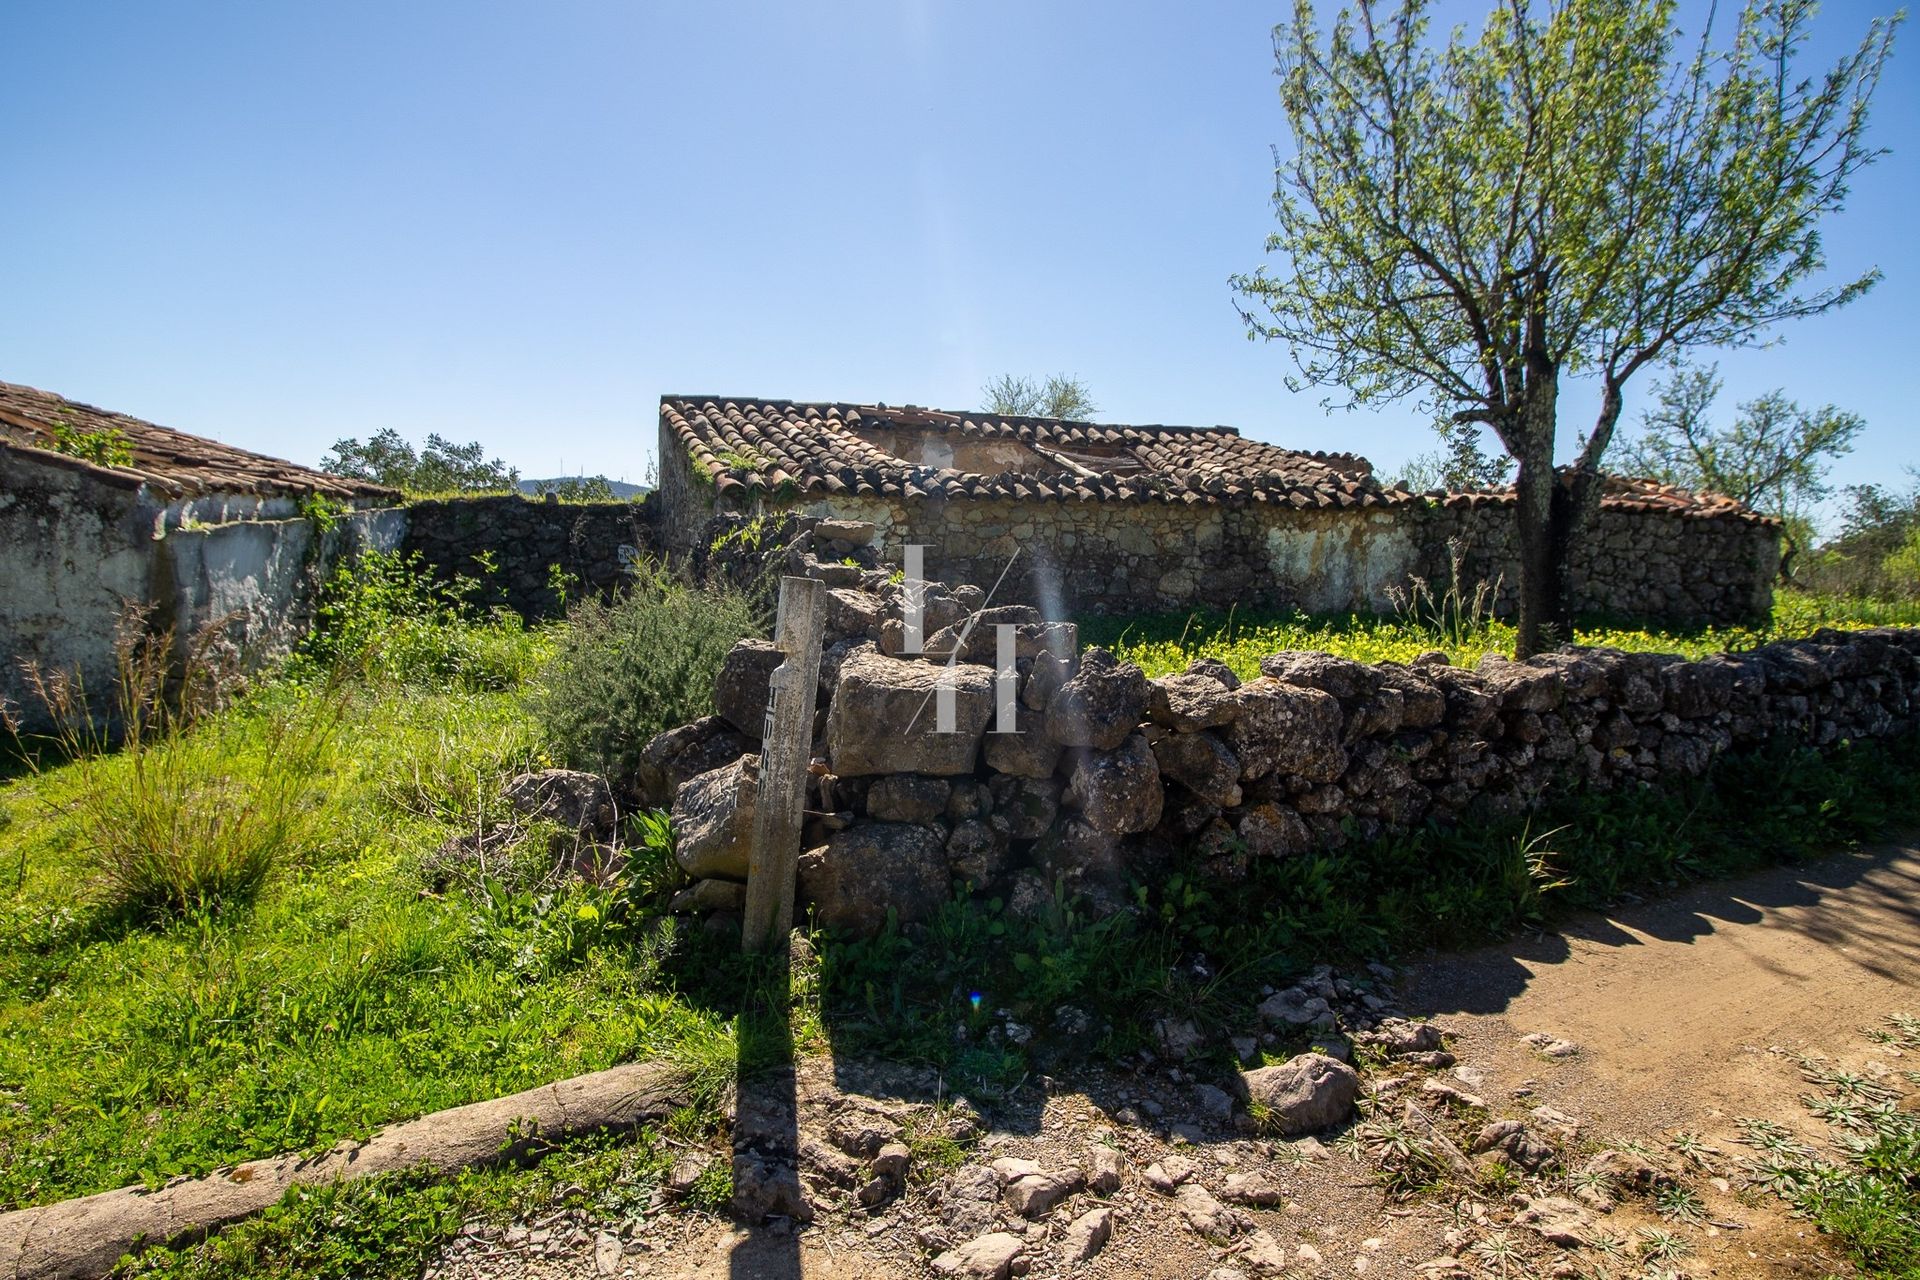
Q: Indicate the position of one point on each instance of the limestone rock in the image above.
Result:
(1087, 1234)
(872, 867)
(1100, 706)
(1027, 752)
(713, 821)
(1207, 1215)
(671, 759)
(1310, 1092)
(907, 797)
(1106, 1168)
(884, 717)
(1557, 1220)
(1258, 1188)
(990, 1257)
(1287, 729)
(1201, 763)
(580, 802)
(1117, 792)
(1024, 808)
(976, 852)
(740, 686)
(1189, 703)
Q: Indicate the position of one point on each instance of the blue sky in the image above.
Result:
(279, 224)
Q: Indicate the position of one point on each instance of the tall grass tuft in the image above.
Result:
(1457, 618)
(644, 663)
(179, 810)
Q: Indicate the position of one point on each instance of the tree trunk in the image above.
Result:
(1533, 511)
(1576, 503)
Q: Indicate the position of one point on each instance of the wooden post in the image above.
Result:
(786, 748)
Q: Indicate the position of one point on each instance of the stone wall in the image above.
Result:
(1077, 556)
(82, 548)
(523, 539)
(1106, 773)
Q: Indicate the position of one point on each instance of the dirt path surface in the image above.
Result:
(1683, 1007)
(1684, 1014)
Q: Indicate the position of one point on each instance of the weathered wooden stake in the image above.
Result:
(785, 750)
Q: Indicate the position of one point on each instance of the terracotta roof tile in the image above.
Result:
(171, 462)
(761, 446)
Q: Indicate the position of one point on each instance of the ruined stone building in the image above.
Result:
(188, 530)
(1126, 519)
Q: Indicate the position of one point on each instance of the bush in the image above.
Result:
(193, 810)
(385, 615)
(637, 666)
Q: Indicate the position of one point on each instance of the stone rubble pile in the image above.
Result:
(1108, 772)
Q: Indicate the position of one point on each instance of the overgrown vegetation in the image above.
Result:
(1869, 1198)
(385, 616)
(104, 446)
(632, 668)
(1464, 631)
(1877, 554)
(182, 816)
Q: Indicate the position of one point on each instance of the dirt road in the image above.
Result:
(1689, 1012)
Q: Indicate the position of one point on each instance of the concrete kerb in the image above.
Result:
(86, 1237)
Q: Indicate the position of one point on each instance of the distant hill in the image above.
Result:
(621, 488)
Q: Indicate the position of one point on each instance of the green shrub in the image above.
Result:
(630, 669)
(385, 615)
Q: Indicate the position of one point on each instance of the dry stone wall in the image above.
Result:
(1107, 773)
(524, 539)
(1079, 557)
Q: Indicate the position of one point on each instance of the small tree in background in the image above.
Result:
(1773, 456)
(1878, 551)
(440, 467)
(1058, 397)
(1568, 195)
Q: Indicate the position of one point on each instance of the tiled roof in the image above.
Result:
(168, 461)
(751, 448)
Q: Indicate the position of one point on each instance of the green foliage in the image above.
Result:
(439, 467)
(385, 615)
(580, 489)
(1059, 396)
(1773, 457)
(1877, 554)
(174, 811)
(1869, 1199)
(1456, 624)
(345, 997)
(104, 447)
(325, 513)
(1572, 192)
(637, 666)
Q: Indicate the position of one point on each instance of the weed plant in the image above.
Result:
(172, 809)
(1454, 624)
(643, 663)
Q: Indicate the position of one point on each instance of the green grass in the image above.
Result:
(1166, 643)
(343, 997)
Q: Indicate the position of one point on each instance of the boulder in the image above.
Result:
(1087, 1234)
(1087, 860)
(740, 686)
(1307, 1093)
(1215, 670)
(1190, 702)
(1024, 808)
(704, 897)
(1118, 791)
(853, 613)
(1287, 729)
(873, 867)
(907, 797)
(713, 821)
(990, 1257)
(884, 717)
(670, 759)
(1100, 706)
(1027, 752)
(1345, 679)
(1274, 831)
(580, 802)
(1202, 764)
(976, 852)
